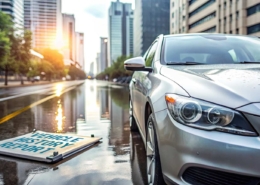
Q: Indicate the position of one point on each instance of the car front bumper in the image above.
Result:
(182, 148)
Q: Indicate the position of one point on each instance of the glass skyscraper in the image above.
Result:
(15, 9)
(120, 30)
(44, 20)
(151, 19)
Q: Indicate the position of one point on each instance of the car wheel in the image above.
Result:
(154, 170)
(133, 125)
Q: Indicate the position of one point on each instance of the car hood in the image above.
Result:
(230, 85)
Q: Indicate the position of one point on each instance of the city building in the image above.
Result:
(91, 69)
(120, 30)
(103, 59)
(44, 20)
(151, 18)
(215, 16)
(69, 39)
(14, 8)
(97, 64)
(80, 57)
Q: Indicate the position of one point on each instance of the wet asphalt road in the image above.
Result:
(92, 107)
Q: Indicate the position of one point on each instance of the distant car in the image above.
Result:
(36, 79)
(196, 103)
(115, 79)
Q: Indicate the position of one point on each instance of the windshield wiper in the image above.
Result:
(249, 62)
(184, 63)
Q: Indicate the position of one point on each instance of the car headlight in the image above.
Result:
(207, 116)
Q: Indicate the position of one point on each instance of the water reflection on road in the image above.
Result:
(93, 108)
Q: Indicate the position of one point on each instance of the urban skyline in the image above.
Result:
(186, 16)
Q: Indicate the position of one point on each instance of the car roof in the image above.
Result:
(209, 34)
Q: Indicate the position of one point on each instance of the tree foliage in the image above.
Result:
(76, 73)
(6, 26)
(116, 69)
(55, 58)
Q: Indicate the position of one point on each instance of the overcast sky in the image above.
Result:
(91, 19)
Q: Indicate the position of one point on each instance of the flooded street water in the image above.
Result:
(94, 107)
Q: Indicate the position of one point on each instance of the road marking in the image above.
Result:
(16, 113)
(23, 94)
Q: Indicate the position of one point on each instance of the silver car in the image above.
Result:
(195, 99)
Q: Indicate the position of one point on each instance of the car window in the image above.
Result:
(150, 55)
(211, 49)
(192, 57)
(255, 52)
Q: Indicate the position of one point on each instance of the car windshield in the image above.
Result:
(211, 49)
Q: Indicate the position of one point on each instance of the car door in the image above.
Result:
(144, 86)
(136, 91)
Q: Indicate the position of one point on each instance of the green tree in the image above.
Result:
(56, 59)
(116, 69)
(76, 73)
(6, 29)
(20, 53)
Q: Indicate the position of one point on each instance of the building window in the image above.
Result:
(183, 29)
(253, 9)
(225, 20)
(172, 4)
(210, 30)
(204, 19)
(172, 14)
(117, 12)
(202, 7)
(253, 29)
(173, 25)
(225, 5)
(230, 18)
(237, 31)
(183, 17)
(237, 15)
(230, 3)
(230, 31)
(192, 1)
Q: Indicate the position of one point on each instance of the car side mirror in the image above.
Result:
(136, 64)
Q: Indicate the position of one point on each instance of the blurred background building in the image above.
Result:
(120, 36)
(97, 66)
(103, 59)
(69, 39)
(80, 59)
(215, 16)
(150, 20)
(44, 20)
(14, 8)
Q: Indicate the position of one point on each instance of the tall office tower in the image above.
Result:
(69, 39)
(14, 8)
(98, 64)
(80, 58)
(151, 19)
(44, 20)
(212, 16)
(120, 30)
(91, 69)
(103, 59)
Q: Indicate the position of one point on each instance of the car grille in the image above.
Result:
(202, 176)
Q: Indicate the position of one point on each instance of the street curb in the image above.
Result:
(27, 85)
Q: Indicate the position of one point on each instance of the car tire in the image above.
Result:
(153, 163)
(132, 122)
